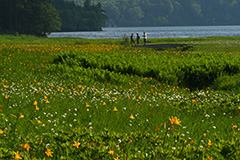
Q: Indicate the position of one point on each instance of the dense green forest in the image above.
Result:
(85, 17)
(36, 17)
(170, 12)
(41, 17)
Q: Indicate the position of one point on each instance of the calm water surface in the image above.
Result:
(155, 32)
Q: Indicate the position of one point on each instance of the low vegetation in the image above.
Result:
(67, 98)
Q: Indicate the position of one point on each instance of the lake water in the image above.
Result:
(155, 32)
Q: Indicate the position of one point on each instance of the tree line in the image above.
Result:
(41, 17)
(86, 17)
(170, 12)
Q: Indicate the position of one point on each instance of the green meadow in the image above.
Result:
(70, 98)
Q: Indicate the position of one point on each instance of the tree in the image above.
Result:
(37, 17)
(88, 17)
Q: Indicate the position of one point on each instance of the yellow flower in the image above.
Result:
(47, 101)
(36, 108)
(104, 104)
(38, 122)
(17, 156)
(48, 152)
(115, 109)
(209, 143)
(193, 100)
(111, 152)
(234, 127)
(76, 144)
(26, 146)
(35, 103)
(45, 97)
(204, 135)
(87, 105)
(5, 86)
(131, 117)
(238, 107)
(116, 158)
(1, 131)
(21, 116)
(174, 120)
(6, 97)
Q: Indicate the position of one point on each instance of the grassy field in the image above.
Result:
(69, 98)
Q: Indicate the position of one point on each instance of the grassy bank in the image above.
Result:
(69, 98)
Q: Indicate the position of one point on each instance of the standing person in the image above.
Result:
(138, 37)
(132, 40)
(144, 37)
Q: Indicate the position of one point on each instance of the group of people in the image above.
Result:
(138, 38)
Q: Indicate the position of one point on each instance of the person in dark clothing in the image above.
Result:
(138, 37)
(144, 37)
(132, 39)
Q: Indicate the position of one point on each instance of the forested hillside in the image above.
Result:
(41, 17)
(37, 17)
(170, 12)
(83, 17)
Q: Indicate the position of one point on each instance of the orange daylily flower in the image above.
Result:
(48, 152)
(35, 103)
(26, 146)
(21, 116)
(14, 116)
(131, 117)
(38, 122)
(209, 143)
(111, 152)
(47, 101)
(76, 144)
(40, 142)
(17, 156)
(36, 108)
(158, 128)
(174, 120)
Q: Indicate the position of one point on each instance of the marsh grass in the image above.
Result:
(49, 104)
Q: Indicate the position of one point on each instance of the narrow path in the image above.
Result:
(160, 45)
